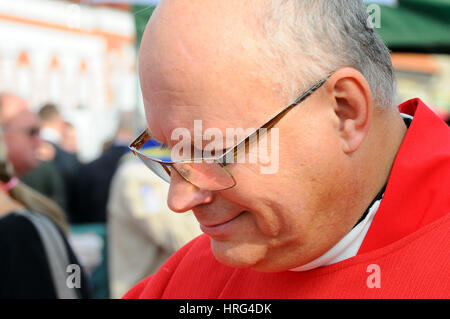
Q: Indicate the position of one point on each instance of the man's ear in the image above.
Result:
(352, 105)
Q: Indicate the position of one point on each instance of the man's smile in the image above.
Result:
(219, 229)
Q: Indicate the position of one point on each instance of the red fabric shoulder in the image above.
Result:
(192, 272)
(154, 285)
(413, 267)
(417, 190)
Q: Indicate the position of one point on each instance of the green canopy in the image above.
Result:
(141, 15)
(407, 25)
(416, 26)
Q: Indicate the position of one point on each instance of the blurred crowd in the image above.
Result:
(90, 230)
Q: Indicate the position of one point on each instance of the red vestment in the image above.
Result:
(405, 254)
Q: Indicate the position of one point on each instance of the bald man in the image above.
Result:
(358, 200)
(21, 132)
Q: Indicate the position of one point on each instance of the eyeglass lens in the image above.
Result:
(204, 175)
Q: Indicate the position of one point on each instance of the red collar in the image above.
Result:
(417, 192)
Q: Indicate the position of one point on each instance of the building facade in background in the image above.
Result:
(80, 57)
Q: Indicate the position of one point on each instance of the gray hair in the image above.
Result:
(328, 34)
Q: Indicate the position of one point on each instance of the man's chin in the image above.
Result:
(238, 255)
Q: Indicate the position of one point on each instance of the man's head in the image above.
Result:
(234, 64)
(21, 132)
(51, 118)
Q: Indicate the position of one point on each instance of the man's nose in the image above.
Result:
(184, 196)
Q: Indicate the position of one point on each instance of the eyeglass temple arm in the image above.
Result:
(271, 123)
(143, 138)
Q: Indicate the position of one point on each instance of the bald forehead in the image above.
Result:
(182, 34)
(199, 45)
(203, 60)
(209, 13)
(11, 107)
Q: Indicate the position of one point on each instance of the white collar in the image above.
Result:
(347, 247)
(50, 135)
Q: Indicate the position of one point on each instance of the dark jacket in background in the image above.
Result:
(24, 262)
(68, 166)
(92, 185)
(47, 180)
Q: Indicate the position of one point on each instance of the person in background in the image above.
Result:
(36, 258)
(94, 178)
(142, 233)
(21, 129)
(69, 141)
(21, 133)
(67, 164)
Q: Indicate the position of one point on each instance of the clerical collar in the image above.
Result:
(408, 120)
(349, 245)
(377, 198)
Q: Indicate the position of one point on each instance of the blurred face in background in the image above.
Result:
(69, 138)
(21, 134)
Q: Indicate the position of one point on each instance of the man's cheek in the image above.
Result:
(269, 153)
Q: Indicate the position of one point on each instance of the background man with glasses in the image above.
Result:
(21, 129)
(359, 186)
(21, 132)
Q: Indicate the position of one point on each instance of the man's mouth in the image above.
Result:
(216, 230)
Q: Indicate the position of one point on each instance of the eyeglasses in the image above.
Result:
(32, 131)
(29, 131)
(210, 173)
